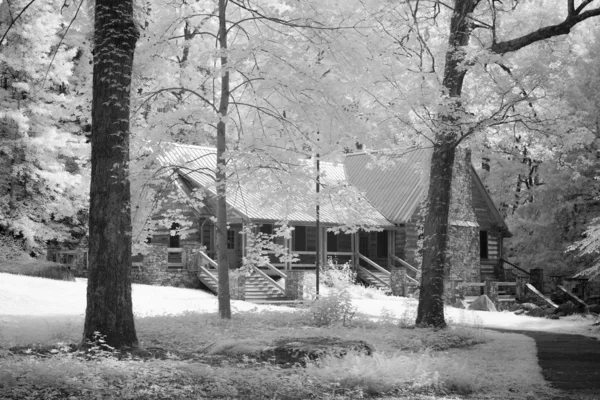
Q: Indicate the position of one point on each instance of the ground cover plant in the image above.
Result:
(196, 354)
(39, 268)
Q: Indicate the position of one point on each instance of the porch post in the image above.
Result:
(287, 243)
(324, 246)
(390, 248)
(353, 249)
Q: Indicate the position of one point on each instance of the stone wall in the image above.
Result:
(155, 271)
(463, 231)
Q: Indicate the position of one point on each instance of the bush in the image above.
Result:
(11, 248)
(57, 272)
(337, 276)
(38, 268)
(333, 309)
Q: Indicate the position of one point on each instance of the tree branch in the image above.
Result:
(546, 32)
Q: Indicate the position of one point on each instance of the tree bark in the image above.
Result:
(220, 175)
(109, 306)
(430, 311)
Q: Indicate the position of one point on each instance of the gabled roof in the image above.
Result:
(264, 198)
(398, 187)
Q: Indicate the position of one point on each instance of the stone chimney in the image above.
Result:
(463, 229)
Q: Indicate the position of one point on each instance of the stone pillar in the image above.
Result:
(536, 276)
(520, 289)
(398, 281)
(463, 230)
(189, 256)
(294, 283)
(237, 286)
(491, 290)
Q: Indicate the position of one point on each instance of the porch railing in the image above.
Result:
(409, 267)
(512, 272)
(374, 265)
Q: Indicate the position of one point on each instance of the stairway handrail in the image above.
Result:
(373, 276)
(405, 264)
(210, 260)
(269, 279)
(208, 273)
(412, 280)
(275, 269)
(373, 264)
(503, 260)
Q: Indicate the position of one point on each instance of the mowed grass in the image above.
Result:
(198, 355)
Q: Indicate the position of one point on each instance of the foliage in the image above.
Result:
(43, 169)
(259, 245)
(36, 268)
(334, 308)
(58, 272)
(11, 248)
(336, 276)
(381, 374)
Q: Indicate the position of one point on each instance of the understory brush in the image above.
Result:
(379, 374)
(37, 268)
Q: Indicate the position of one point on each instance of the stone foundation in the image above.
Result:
(237, 285)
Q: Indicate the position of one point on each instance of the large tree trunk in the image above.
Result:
(221, 178)
(431, 296)
(109, 306)
(430, 311)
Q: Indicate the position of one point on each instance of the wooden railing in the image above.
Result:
(512, 271)
(406, 265)
(209, 260)
(276, 270)
(373, 264)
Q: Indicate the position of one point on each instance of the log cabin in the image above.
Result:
(378, 233)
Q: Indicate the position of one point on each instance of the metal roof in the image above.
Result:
(395, 188)
(261, 195)
(397, 184)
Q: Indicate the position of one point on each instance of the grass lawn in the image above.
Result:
(192, 354)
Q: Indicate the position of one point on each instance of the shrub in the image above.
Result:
(333, 309)
(57, 272)
(337, 276)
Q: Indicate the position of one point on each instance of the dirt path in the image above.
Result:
(570, 363)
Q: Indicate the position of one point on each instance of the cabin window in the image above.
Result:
(266, 229)
(305, 238)
(483, 244)
(174, 238)
(340, 242)
(230, 239)
(332, 242)
(206, 231)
